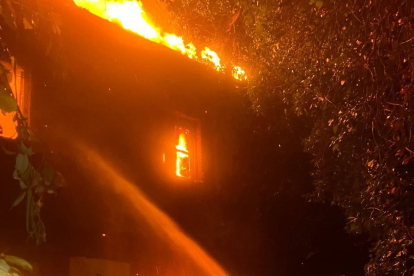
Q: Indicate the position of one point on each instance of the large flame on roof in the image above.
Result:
(132, 17)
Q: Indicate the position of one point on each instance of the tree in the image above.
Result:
(36, 177)
(348, 68)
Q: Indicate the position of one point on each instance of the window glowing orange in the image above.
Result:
(16, 82)
(183, 154)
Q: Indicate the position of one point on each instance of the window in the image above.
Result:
(19, 84)
(188, 148)
(183, 163)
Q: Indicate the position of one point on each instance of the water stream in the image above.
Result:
(160, 222)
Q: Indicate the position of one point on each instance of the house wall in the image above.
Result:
(119, 95)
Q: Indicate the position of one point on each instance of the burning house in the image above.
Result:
(167, 122)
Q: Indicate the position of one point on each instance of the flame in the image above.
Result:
(212, 57)
(183, 157)
(239, 73)
(132, 17)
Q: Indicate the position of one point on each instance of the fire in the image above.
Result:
(133, 18)
(183, 157)
(239, 73)
(212, 57)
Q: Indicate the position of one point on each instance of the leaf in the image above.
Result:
(7, 102)
(335, 147)
(319, 4)
(23, 185)
(18, 262)
(4, 267)
(18, 199)
(335, 129)
(25, 149)
(22, 163)
(16, 175)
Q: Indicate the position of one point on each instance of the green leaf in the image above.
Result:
(23, 185)
(335, 147)
(7, 102)
(18, 199)
(22, 163)
(16, 175)
(319, 4)
(18, 262)
(335, 129)
(25, 149)
(4, 267)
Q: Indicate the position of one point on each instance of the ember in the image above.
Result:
(132, 17)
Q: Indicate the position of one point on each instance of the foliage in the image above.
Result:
(34, 19)
(36, 178)
(13, 266)
(348, 66)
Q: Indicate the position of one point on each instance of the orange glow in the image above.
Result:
(16, 82)
(183, 157)
(132, 17)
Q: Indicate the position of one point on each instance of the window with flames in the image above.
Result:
(19, 82)
(183, 163)
(188, 151)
